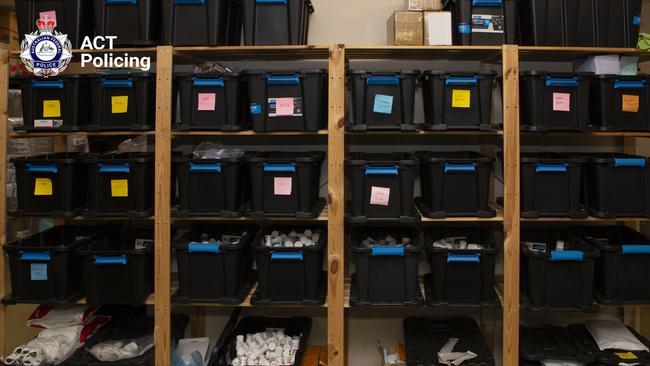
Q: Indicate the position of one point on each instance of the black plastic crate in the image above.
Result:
(558, 23)
(461, 276)
(457, 100)
(287, 100)
(551, 185)
(623, 269)
(201, 22)
(285, 183)
(380, 186)
(557, 279)
(49, 185)
(485, 22)
(541, 343)
(554, 101)
(617, 185)
(123, 101)
(211, 102)
(619, 103)
(118, 267)
(424, 336)
(276, 22)
(44, 268)
(385, 274)
(122, 184)
(454, 184)
(133, 22)
(617, 22)
(382, 100)
(71, 17)
(209, 187)
(612, 357)
(217, 271)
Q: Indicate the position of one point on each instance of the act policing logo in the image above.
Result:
(46, 52)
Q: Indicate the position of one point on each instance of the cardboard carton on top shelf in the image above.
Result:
(405, 28)
(424, 4)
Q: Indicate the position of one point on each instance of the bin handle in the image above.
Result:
(35, 256)
(629, 84)
(548, 168)
(50, 168)
(121, 2)
(195, 247)
(114, 168)
(381, 170)
(205, 82)
(629, 162)
(470, 167)
(566, 255)
(58, 84)
(487, 3)
(464, 258)
(212, 168)
(270, 167)
(565, 82)
(461, 80)
(271, 2)
(286, 256)
(189, 2)
(119, 83)
(117, 259)
(393, 250)
(283, 79)
(382, 80)
(635, 249)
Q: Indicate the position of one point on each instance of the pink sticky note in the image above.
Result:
(48, 15)
(379, 196)
(284, 106)
(562, 102)
(207, 101)
(282, 186)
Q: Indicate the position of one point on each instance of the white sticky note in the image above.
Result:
(379, 196)
(282, 186)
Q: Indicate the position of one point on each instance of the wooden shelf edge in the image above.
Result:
(585, 219)
(249, 133)
(24, 135)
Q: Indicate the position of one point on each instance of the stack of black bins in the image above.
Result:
(201, 22)
(134, 23)
(276, 22)
(71, 17)
(485, 22)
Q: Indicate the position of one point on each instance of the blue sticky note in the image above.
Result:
(383, 104)
(39, 272)
(256, 108)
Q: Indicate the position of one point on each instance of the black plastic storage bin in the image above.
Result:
(382, 100)
(71, 17)
(554, 101)
(121, 184)
(386, 274)
(457, 100)
(618, 185)
(50, 185)
(485, 22)
(215, 272)
(290, 275)
(276, 22)
(541, 343)
(551, 185)
(380, 186)
(619, 103)
(423, 335)
(133, 22)
(201, 22)
(123, 101)
(209, 187)
(623, 269)
(454, 184)
(557, 279)
(557, 23)
(118, 267)
(612, 357)
(461, 276)
(287, 100)
(60, 103)
(211, 102)
(617, 22)
(44, 267)
(285, 183)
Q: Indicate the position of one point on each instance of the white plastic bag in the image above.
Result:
(612, 334)
(126, 349)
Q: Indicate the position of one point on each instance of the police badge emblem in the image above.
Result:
(46, 52)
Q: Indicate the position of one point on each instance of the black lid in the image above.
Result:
(552, 342)
(447, 156)
(383, 72)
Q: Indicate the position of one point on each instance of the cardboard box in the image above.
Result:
(405, 28)
(9, 30)
(437, 28)
(424, 5)
(599, 65)
(392, 355)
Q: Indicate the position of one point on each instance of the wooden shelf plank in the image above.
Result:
(478, 53)
(585, 219)
(24, 135)
(151, 300)
(352, 134)
(551, 53)
(585, 134)
(249, 133)
(201, 53)
(497, 218)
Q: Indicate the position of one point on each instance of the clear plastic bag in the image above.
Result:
(126, 349)
(138, 144)
(210, 150)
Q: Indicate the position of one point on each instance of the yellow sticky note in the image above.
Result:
(460, 98)
(51, 108)
(630, 103)
(626, 355)
(120, 104)
(119, 188)
(42, 187)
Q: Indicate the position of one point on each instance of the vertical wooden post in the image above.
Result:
(162, 234)
(4, 101)
(511, 217)
(336, 203)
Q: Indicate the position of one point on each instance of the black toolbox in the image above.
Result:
(557, 23)
(381, 186)
(216, 270)
(386, 273)
(49, 185)
(540, 343)
(382, 100)
(557, 270)
(123, 184)
(457, 100)
(552, 101)
(619, 103)
(485, 22)
(211, 101)
(59, 103)
(276, 22)
(454, 184)
(551, 185)
(201, 22)
(71, 17)
(460, 275)
(134, 23)
(287, 100)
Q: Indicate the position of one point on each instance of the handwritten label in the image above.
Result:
(284, 106)
(51, 108)
(38, 272)
(282, 186)
(119, 104)
(562, 102)
(630, 103)
(42, 187)
(379, 196)
(383, 104)
(460, 98)
(207, 101)
(119, 187)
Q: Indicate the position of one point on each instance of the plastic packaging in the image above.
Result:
(111, 351)
(138, 144)
(209, 150)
